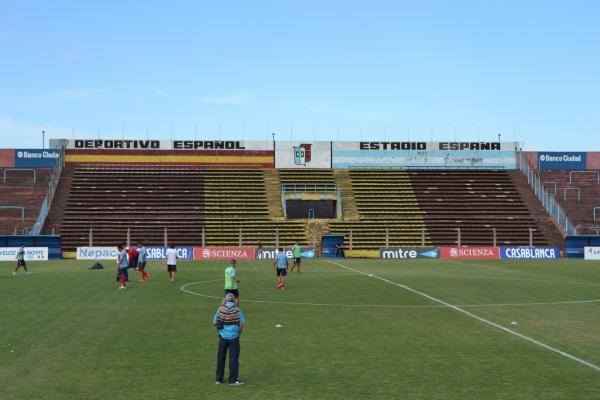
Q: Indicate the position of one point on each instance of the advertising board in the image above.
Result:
(158, 253)
(271, 253)
(224, 253)
(419, 154)
(591, 253)
(549, 160)
(409, 252)
(529, 253)
(137, 144)
(450, 253)
(36, 158)
(305, 154)
(97, 253)
(31, 253)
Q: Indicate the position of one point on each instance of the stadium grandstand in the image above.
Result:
(372, 195)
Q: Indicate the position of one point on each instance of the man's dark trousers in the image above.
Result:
(233, 346)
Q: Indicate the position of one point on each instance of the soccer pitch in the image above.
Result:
(418, 329)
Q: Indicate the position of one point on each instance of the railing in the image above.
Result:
(15, 208)
(339, 204)
(547, 199)
(47, 203)
(21, 169)
(584, 172)
(309, 187)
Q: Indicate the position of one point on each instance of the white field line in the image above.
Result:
(477, 317)
(184, 288)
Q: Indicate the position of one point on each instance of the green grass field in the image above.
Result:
(66, 332)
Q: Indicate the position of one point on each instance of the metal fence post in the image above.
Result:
(530, 237)
(128, 237)
(387, 237)
(240, 238)
(203, 237)
(494, 233)
(166, 241)
(90, 237)
(458, 237)
(277, 237)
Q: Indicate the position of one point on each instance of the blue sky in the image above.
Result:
(302, 69)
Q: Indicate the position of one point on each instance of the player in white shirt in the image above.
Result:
(171, 256)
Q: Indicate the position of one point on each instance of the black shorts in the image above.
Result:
(21, 263)
(235, 292)
(297, 260)
(281, 271)
(142, 265)
(172, 268)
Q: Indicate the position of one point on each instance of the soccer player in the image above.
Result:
(281, 268)
(123, 264)
(141, 263)
(171, 256)
(133, 255)
(296, 250)
(21, 260)
(231, 283)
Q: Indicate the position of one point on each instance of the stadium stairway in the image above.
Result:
(349, 208)
(273, 194)
(20, 190)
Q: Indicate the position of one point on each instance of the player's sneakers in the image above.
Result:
(237, 383)
(14, 273)
(122, 287)
(218, 382)
(28, 272)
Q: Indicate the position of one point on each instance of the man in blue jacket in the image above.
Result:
(230, 322)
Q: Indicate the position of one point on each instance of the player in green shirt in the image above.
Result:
(231, 282)
(296, 250)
